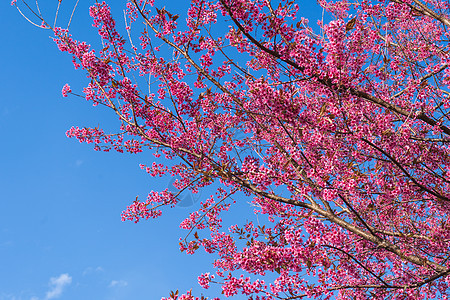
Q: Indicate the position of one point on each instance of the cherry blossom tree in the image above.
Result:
(338, 132)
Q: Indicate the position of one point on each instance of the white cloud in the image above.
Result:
(57, 285)
(4, 296)
(22, 295)
(89, 270)
(118, 283)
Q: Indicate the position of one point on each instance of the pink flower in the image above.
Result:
(205, 279)
(13, 2)
(66, 89)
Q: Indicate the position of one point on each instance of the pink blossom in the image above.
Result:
(205, 279)
(66, 89)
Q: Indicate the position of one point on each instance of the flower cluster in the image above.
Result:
(66, 90)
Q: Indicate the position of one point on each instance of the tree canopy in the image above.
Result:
(338, 131)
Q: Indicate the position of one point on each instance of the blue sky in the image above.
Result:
(61, 236)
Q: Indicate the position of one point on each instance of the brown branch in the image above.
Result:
(421, 186)
(359, 263)
(337, 87)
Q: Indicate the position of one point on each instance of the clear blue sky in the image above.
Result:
(61, 236)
